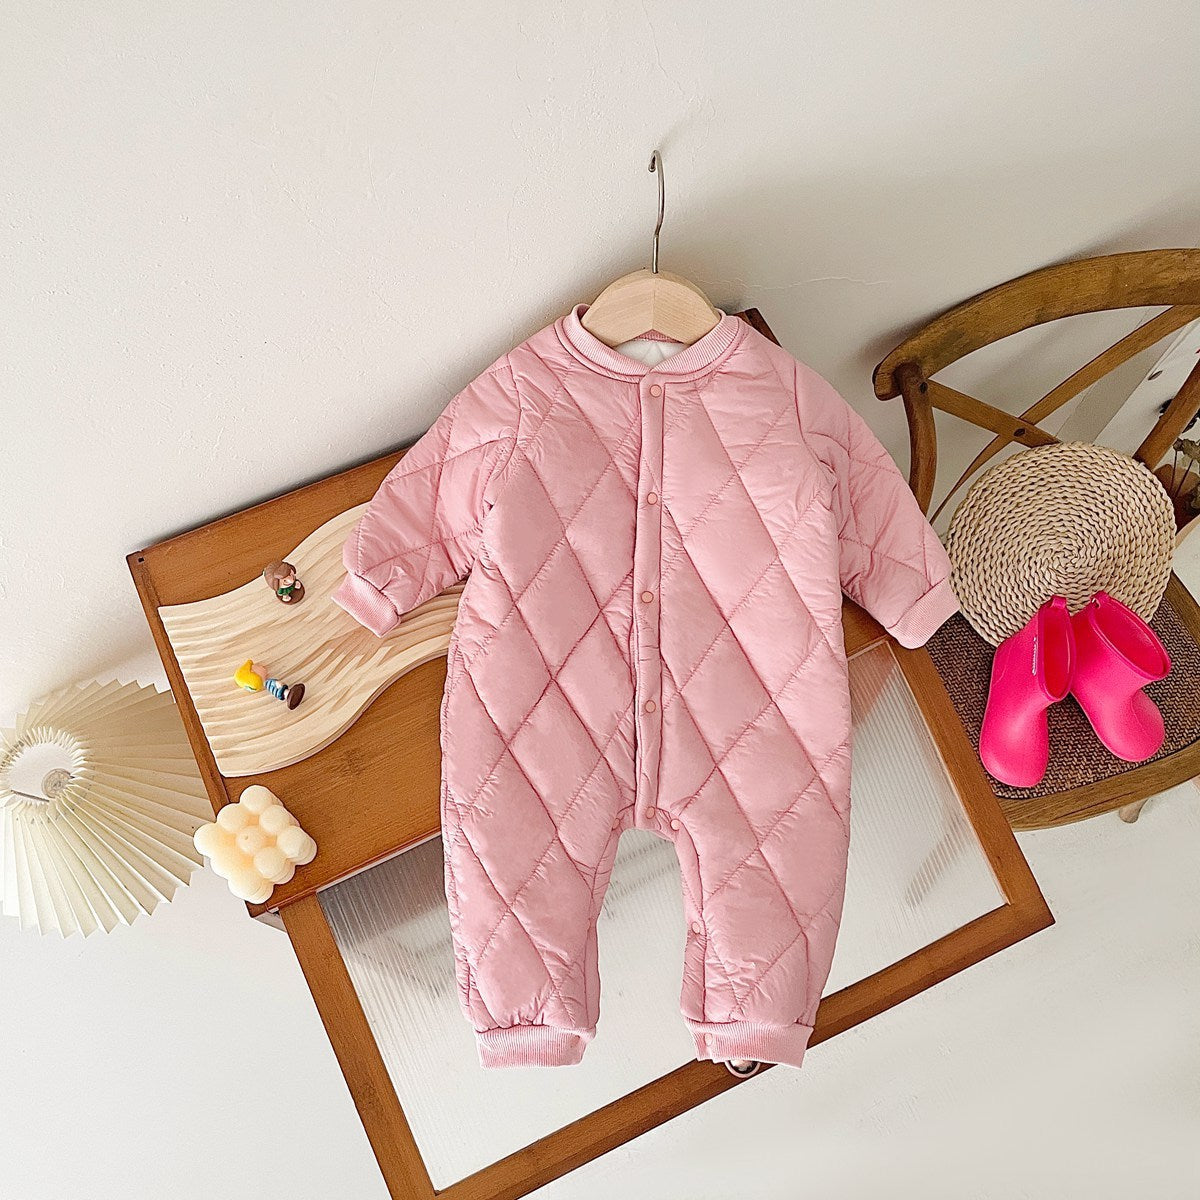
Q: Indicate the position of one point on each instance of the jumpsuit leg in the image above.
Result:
(530, 823)
(762, 914)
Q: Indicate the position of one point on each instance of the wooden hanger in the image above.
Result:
(651, 299)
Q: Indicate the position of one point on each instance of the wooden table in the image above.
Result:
(374, 792)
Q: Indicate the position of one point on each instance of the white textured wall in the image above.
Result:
(245, 244)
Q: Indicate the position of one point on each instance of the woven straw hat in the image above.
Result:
(1069, 520)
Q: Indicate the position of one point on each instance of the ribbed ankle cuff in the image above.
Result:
(530, 1046)
(751, 1039)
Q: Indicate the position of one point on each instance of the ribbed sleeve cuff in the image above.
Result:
(531, 1046)
(925, 617)
(366, 604)
(751, 1039)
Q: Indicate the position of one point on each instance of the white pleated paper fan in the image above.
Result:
(108, 834)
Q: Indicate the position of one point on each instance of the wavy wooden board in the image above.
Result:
(342, 665)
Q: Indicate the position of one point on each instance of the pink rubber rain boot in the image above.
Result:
(1031, 670)
(1117, 655)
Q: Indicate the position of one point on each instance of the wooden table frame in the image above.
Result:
(345, 796)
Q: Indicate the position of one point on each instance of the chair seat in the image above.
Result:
(1077, 758)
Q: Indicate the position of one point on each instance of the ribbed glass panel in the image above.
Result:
(916, 872)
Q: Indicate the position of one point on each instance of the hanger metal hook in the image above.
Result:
(656, 165)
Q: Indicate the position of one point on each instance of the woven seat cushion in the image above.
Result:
(964, 661)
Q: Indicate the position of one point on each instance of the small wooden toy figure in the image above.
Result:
(254, 678)
(281, 579)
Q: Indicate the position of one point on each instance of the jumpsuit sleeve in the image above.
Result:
(421, 532)
(891, 561)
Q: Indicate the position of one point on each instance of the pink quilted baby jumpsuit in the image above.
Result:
(649, 636)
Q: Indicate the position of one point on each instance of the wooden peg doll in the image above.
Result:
(255, 678)
(281, 579)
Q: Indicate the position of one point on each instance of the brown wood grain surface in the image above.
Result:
(1139, 279)
(374, 790)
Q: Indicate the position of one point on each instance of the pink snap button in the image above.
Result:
(655, 390)
(708, 1039)
(650, 814)
(649, 706)
(647, 597)
(652, 498)
(674, 824)
(697, 927)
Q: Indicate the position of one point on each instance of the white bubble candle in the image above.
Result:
(256, 844)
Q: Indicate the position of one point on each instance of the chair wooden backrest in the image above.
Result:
(1142, 279)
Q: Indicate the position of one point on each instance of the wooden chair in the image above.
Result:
(1092, 781)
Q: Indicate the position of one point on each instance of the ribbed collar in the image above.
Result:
(695, 359)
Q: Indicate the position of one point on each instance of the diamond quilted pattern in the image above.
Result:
(650, 636)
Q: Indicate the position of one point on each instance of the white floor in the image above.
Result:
(183, 1054)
